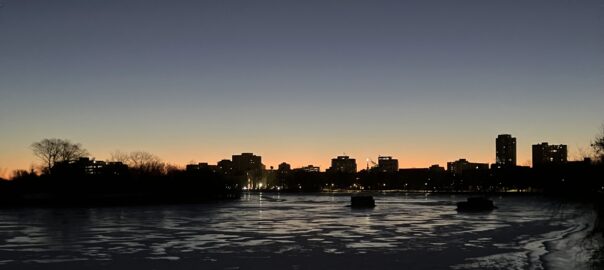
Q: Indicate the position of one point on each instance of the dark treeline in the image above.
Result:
(67, 177)
(83, 182)
(86, 182)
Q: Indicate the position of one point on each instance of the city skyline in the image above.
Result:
(302, 82)
(346, 163)
(325, 162)
(288, 134)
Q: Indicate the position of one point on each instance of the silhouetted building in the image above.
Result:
(585, 161)
(461, 165)
(414, 178)
(196, 167)
(115, 168)
(226, 166)
(387, 164)
(203, 166)
(310, 168)
(505, 150)
(437, 168)
(343, 164)
(87, 166)
(247, 162)
(544, 154)
(249, 169)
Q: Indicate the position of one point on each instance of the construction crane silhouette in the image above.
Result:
(373, 164)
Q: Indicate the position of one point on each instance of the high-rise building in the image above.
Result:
(343, 164)
(505, 150)
(387, 164)
(544, 154)
(247, 162)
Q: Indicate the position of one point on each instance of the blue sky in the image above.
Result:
(300, 81)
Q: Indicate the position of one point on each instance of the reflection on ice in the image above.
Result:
(290, 225)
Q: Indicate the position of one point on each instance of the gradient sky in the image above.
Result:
(300, 81)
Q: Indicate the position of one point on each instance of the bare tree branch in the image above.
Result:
(51, 151)
(141, 161)
(119, 156)
(598, 146)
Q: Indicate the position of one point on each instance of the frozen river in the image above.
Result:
(291, 231)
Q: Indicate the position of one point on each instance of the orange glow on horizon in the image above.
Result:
(24, 160)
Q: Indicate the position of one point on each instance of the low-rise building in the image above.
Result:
(461, 165)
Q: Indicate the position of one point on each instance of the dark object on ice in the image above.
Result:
(362, 201)
(475, 204)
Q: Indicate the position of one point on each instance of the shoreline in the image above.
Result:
(576, 243)
(57, 200)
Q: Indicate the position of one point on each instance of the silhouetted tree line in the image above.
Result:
(72, 179)
(68, 177)
(53, 151)
(71, 185)
(84, 178)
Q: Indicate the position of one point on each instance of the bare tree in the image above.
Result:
(172, 169)
(51, 151)
(142, 161)
(119, 156)
(146, 162)
(598, 146)
(22, 174)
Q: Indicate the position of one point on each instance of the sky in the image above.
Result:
(425, 81)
